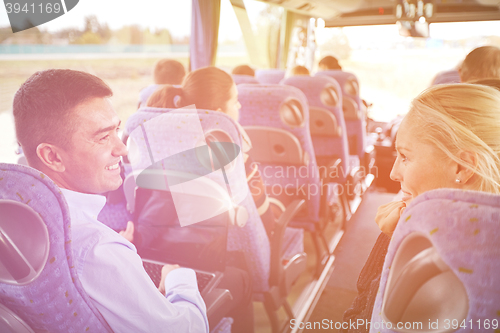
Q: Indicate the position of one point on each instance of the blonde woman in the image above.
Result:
(449, 139)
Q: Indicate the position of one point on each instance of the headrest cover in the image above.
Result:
(330, 96)
(292, 113)
(24, 243)
(462, 227)
(351, 86)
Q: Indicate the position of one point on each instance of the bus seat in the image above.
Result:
(145, 93)
(22, 160)
(286, 148)
(239, 79)
(11, 323)
(115, 215)
(269, 76)
(442, 264)
(352, 106)
(264, 257)
(38, 280)
(224, 326)
(330, 142)
(281, 109)
(450, 76)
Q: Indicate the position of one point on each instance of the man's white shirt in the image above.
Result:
(112, 274)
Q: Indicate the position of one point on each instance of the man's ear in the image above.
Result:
(50, 156)
(466, 171)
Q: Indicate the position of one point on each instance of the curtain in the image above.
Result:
(204, 33)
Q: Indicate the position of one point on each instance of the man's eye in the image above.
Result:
(104, 138)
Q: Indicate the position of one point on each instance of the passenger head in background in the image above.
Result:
(68, 130)
(448, 139)
(169, 71)
(299, 70)
(481, 63)
(207, 88)
(329, 63)
(243, 70)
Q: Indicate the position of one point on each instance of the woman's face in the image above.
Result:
(420, 166)
(232, 107)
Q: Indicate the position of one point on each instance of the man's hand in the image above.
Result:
(128, 233)
(164, 271)
(388, 216)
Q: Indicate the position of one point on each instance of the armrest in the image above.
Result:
(277, 241)
(215, 300)
(369, 149)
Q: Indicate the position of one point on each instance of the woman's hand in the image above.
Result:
(388, 216)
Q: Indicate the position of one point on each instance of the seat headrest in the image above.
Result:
(292, 113)
(239, 79)
(269, 76)
(421, 287)
(257, 100)
(318, 89)
(24, 243)
(446, 238)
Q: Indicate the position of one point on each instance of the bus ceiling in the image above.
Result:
(335, 13)
(341, 13)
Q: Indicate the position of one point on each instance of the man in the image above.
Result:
(68, 130)
(169, 71)
(243, 70)
(481, 63)
(166, 71)
(329, 63)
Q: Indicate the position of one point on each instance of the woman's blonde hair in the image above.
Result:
(460, 118)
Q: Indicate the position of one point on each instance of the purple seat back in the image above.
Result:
(462, 227)
(239, 79)
(55, 301)
(147, 92)
(260, 106)
(451, 76)
(270, 76)
(313, 88)
(173, 135)
(356, 126)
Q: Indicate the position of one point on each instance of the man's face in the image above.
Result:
(94, 151)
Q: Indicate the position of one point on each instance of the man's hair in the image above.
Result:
(168, 71)
(330, 62)
(300, 70)
(481, 63)
(43, 106)
(243, 70)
